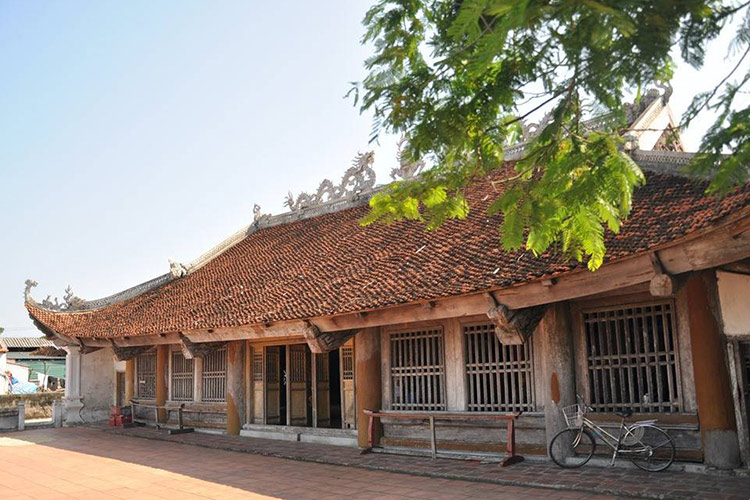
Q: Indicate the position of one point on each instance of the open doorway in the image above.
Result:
(334, 364)
(275, 385)
(303, 389)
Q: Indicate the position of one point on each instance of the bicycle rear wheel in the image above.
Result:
(654, 451)
(572, 448)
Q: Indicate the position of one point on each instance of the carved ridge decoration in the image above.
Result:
(514, 326)
(406, 169)
(126, 353)
(360, 177)
(70, 302)
(324, 342)
(177, 269)
(192, 350)
(259, 218)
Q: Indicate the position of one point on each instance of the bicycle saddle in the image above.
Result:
(626, 413)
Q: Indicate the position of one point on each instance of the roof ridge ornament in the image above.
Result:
(406, 169)
(259, 218)
(27, 290)
(177, 269)
(71, 302)
(360, 177)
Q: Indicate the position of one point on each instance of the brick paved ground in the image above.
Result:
(84, 463)
(608, 481)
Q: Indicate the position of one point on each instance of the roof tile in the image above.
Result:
(331, 265)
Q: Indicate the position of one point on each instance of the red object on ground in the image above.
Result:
(112, 421)
(115, 411)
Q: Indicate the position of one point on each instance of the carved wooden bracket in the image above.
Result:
(86, 349)
(323, 342)
(662, 284)
(192, 350)
(126, 353)
(514, 326)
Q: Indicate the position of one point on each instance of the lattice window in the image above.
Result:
(214, 376)
(146, 375)
(347, 362)
(297, 365)
(258, 367)
(182, 377)
(418, 370)
(632, 358)
(499, 377)
(272, 366)
(321, 367)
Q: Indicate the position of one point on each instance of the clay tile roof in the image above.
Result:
(330, 264)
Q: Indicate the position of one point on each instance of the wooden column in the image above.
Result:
(248, 381)
(367, 379)
(558, 354)
(712, 384)
(235, 386)
(162, 360)
(129, 381)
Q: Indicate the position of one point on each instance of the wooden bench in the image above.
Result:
(181, 429)
(431, 416)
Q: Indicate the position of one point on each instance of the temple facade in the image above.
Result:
(295, 325)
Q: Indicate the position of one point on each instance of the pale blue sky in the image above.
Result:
(133, 132)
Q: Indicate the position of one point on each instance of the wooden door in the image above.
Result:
(322, 391)
(273, 385)
(258, 390)
(297, 384)
(348, 399)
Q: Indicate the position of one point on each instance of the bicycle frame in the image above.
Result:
(610, 440)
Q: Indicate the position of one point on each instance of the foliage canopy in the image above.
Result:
(456, 78)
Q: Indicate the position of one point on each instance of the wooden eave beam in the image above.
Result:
(323, 342)
(126, 353)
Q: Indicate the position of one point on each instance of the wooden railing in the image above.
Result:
(431, 416)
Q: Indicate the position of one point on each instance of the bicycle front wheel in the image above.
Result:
(654, 451)
(572, 448)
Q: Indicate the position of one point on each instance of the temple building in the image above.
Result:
(295, 325)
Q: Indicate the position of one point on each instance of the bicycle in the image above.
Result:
(649, 447)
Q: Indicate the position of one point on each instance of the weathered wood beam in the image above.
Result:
(257, 331)
(741, 267)
(126, 353)
(714, 247)
(323, 342)
(192, 350)
(662, 284)
(513, 326)
(86, 348)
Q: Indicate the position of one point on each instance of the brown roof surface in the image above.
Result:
(330, 265)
